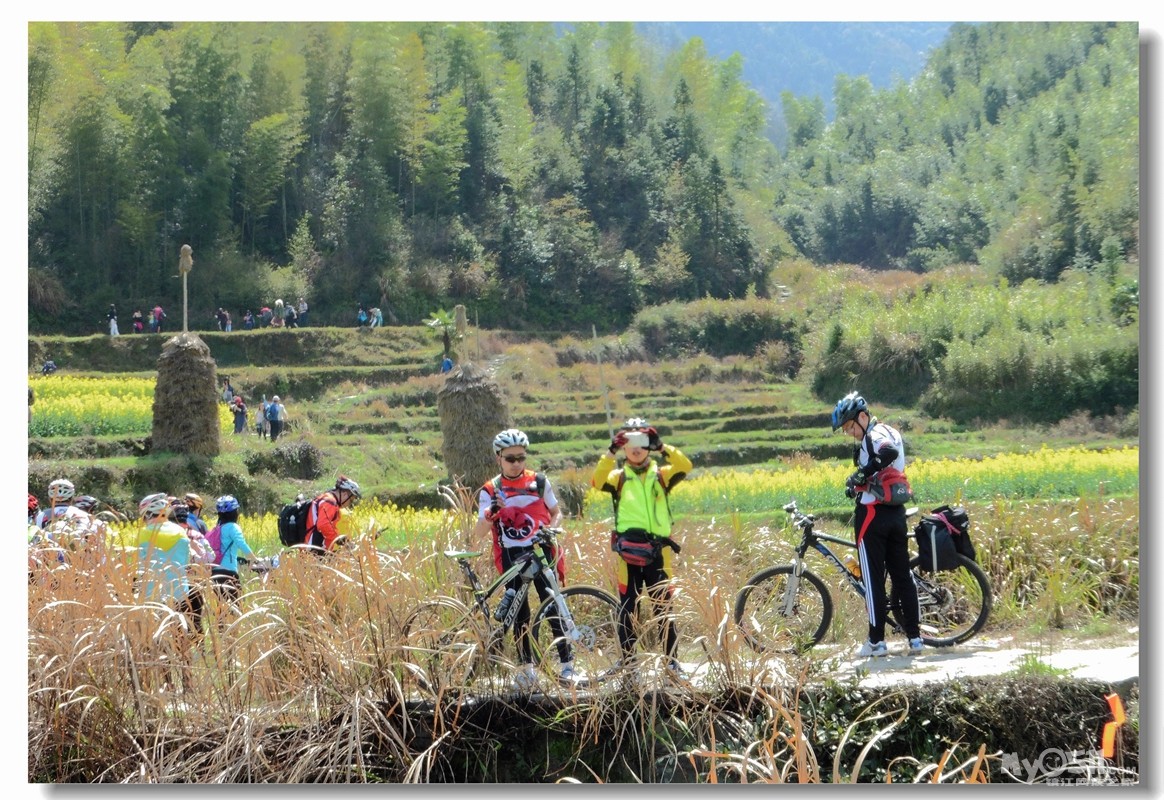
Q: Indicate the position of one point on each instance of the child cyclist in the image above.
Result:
(639, 491)
(513, 506)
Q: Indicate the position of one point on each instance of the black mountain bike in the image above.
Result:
(446, 641)
(787, 608)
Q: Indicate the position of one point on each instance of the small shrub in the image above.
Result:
(299, 459)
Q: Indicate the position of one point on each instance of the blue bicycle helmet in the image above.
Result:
(225, 504)
(847, 408)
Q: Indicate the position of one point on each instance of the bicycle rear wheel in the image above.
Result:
(443, 645)
(760, 613)
(954, 603)
(595, 614)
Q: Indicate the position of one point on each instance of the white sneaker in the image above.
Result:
(675, 671)
(526, 678)
(567, 675)
(915, 646)
(873, 650)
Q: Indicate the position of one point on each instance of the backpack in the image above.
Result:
(200, 550)
(214, 539)
(293, 523)
(272, 412)
(942, 536)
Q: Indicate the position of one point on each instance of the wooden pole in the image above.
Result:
(602, 380)
(185, 264)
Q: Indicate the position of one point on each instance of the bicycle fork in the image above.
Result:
(568, 626)
(792, 590)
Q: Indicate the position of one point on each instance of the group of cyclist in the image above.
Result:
(512, 507)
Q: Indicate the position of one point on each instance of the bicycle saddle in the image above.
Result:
(461, 554)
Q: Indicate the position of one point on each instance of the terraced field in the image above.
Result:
(367, 400)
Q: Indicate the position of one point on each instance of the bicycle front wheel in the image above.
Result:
(954, 603)
(594, 643)
(443, 645)
(774, 623)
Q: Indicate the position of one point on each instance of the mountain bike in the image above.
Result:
(446, 641)
(787, 608)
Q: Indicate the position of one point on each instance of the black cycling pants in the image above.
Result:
(883, 548)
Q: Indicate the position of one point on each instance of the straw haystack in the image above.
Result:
(472, 410)
(186, 398)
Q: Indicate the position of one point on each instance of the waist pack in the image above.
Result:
(638, 548)
(942, 536)
(889, 486)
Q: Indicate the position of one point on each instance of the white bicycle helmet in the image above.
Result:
(153, 505)
(344, 482)
(636, 424)
(61, 490)
(510, 437)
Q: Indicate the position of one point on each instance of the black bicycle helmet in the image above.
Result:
(847, 408)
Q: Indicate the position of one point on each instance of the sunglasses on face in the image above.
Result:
(514, 459)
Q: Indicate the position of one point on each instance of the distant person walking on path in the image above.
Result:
(112, 317)
(239, 409)
(159, 317)
(262, 427)
(248, 321)
(276, 416)
(138, 326)
(265, 316)
(361, 317)
(302, 313)
(375, 318)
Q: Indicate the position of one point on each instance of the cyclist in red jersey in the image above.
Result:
(513, 506)
(323, 519)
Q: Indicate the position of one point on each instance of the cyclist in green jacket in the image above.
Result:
(642, 526)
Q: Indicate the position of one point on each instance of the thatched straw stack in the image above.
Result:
(472, 410)
(186, 398)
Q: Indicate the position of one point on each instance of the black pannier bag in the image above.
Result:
(942, 536)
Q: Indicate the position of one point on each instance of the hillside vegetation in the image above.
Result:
(546, 179)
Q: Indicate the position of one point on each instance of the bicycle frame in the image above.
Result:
(810, 538)
(529, 566)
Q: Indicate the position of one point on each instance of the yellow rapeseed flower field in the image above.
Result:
(68, 405)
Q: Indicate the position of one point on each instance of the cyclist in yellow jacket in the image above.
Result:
(639, 491)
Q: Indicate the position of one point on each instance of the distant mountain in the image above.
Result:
(805, 57)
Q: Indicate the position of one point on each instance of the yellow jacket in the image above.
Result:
(640, 498)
